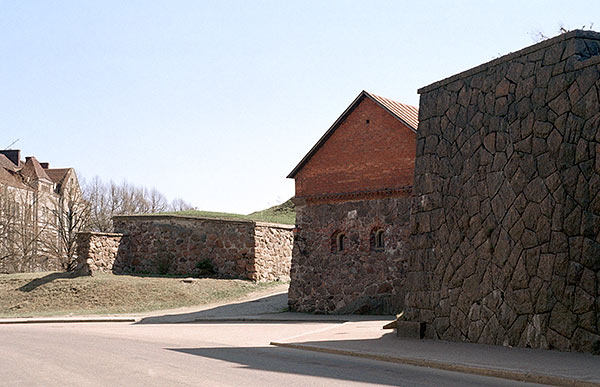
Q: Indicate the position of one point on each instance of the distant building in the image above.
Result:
(352, 211)
(34, 212)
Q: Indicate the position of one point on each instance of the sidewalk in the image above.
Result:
(368, 339)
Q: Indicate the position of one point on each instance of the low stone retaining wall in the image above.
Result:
(97, 251)
(272, 252)
(171, 244)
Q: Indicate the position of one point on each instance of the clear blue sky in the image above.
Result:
(216, 101)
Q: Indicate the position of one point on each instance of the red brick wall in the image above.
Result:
(361, 156)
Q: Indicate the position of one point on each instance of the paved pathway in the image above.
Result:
(258, 320)
(201, 354)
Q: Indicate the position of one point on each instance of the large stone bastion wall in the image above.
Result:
(506, 215)
(360, 279)
(170, 244)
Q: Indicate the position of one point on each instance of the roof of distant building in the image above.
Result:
(57, 174)
(11, 178)
(6, 163)
(34, 170)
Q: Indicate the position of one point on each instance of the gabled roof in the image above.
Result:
(57, 175)
(11, 178)
(6, 163)
(407, 114)
(34, 170)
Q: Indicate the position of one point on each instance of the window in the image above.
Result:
(377, 239)
(341, 240)
(338, 242)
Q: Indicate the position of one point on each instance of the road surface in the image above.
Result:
(194, 354)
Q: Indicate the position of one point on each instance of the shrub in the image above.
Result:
(164, 261)
(205, 267)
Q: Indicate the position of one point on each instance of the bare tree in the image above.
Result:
(21, 232)
(157, 201)
(180, 205)
(97, 194)
(72, 215)
(109, 199)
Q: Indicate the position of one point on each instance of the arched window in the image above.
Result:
(377, 239)
(341, 241)
(338, 242)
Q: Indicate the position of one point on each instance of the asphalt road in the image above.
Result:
(195, 354)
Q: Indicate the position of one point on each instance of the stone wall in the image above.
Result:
(97, 252)
(272, 243)
(169, 244)
(359, 279)
(506, 215)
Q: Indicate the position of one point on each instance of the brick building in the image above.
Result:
(33, 200)
(352, 211)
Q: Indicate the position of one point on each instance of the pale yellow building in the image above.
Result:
(38, 206)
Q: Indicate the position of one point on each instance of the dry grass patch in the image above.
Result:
(62, 294)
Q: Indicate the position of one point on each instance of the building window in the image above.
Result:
(377, 239)
(338, 242)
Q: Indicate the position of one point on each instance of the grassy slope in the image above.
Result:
(56, 294)
(283, 213)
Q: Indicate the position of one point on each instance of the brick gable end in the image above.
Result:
(370, 150)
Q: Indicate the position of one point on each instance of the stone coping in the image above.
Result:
(508, 57)
(143, 217)
(115, 234)
(275, 225)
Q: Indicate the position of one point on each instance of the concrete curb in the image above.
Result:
(67, 320)
(249, 320)
(491, 372)
(209, 320)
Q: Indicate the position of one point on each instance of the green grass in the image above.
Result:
(284, 213)
(64, 294)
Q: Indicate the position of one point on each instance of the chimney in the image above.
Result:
(45, 165)
(13, 155)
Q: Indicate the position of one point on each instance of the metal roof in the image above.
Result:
(408, 115)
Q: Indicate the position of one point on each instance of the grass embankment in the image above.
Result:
(62, 294)
(284, 213)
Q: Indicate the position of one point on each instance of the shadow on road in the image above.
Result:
(288, 361)
(339, 367)
(35, 283)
